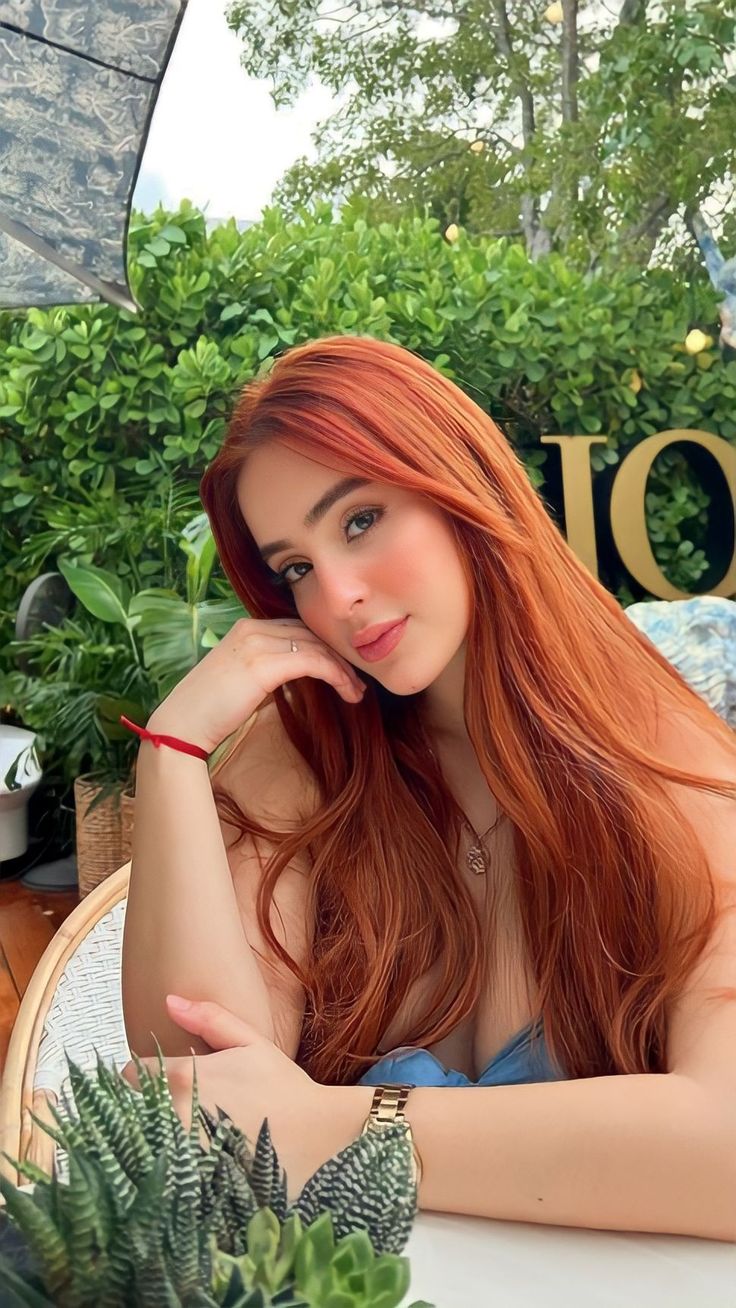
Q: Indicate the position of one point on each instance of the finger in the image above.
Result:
(215, 1024)
(295, 628)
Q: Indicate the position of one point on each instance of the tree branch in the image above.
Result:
(632, 12)
(536, 237)
(570, 65)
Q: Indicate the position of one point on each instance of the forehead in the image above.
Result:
(277, 486)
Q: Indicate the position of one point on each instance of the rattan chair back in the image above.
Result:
(73, 1003)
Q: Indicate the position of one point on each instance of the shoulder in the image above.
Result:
(262, 769)
(708, 751)
(705, 745)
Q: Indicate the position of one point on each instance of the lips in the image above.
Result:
(384, 644)
(371, 634)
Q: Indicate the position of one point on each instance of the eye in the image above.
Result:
(281, 578)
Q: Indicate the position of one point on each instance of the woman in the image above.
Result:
(507, 860)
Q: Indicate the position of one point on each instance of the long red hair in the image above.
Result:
(562, 695)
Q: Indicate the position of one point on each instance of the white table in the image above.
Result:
(473, 1262)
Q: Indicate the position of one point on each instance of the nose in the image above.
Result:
(342, 588)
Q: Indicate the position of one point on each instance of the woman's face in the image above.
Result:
(375, 555)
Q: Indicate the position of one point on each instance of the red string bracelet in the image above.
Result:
(173, 741)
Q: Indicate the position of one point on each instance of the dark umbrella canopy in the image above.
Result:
(78, 84)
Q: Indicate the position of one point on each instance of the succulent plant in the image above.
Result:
(149, 1215)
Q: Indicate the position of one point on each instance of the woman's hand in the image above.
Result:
(254, 657)
(250, 1078)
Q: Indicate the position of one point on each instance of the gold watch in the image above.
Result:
(387, 1108)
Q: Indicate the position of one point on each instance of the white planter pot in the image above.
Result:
(16, 747)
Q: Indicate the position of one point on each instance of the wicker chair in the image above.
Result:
(73, 1002)
(74, 997)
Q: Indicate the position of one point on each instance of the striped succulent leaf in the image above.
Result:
(152, 1216)
(367, 1186)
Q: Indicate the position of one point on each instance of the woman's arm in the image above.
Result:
(623, 1153)
(652, 1152)
(183, 931)
(620, 1153)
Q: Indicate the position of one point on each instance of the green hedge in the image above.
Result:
(107, 419)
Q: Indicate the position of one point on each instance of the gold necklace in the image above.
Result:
(477, 857)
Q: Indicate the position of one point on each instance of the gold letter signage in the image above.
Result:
(628, 516)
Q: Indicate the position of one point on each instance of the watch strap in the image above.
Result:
(387, 1108)
(388, 1103)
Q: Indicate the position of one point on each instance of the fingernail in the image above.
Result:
(176, 1001)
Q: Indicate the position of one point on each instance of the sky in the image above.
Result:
(216, 137)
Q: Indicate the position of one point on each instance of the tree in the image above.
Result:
(568, 128)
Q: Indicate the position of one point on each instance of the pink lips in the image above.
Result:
(378, 649)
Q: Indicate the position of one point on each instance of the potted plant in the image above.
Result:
(158, 636)
(151, 1215)
(58, 700)
(20, 773)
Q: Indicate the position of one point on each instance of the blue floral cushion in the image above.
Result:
(698, 636)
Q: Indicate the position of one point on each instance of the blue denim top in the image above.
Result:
(523, 1059)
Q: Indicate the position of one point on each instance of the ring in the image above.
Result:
(294, 647)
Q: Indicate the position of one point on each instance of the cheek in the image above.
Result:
(308, 612)
(405, 576)
(422, 562)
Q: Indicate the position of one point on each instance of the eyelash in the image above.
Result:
(279, 578)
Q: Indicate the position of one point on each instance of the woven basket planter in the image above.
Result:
(99, 834)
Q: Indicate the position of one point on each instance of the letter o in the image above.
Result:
(628, 512)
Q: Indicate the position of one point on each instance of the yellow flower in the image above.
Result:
(553, 12)
(452, 232)
(695, 341)
(478, 147)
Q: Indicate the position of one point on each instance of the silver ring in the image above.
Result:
(294, 647)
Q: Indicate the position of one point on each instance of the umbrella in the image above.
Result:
(78, 86)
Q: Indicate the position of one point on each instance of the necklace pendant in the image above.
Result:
(476, 861)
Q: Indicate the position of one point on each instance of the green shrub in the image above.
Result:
(107, 419)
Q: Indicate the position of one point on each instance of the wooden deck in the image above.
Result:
(28, 920)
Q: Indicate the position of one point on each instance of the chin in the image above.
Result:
(404, 686)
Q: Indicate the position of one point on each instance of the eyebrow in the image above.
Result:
(318, 511)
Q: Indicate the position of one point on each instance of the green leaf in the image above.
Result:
(158, 246)
(535, 371)
(44, 1239)
(266, 343)
(195, 408)
(82, 403)
(102, 593)
(25, 1296)
(173, 234)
